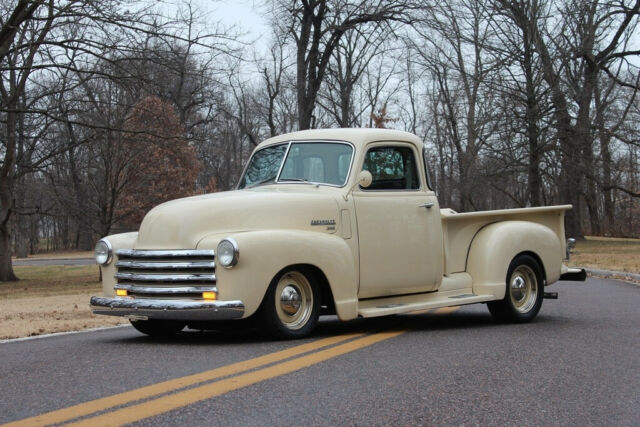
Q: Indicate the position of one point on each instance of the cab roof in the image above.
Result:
(357, 136)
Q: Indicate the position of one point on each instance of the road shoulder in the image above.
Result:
(30, 316)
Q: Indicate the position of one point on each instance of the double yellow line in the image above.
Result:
(163, 397)
(168, 395)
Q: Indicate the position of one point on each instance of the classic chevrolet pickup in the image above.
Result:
(336, 221)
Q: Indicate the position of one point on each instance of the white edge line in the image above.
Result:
(57, 334)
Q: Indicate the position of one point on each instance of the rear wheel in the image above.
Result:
(291, 305)
(524, 292)
(158, 327)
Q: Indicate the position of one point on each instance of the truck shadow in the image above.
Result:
(329, 326)
(421, 322)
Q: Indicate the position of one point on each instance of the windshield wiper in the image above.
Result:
(295, 180)
(264, 181)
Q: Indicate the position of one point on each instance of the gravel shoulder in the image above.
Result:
(30, 316)
(617, 275)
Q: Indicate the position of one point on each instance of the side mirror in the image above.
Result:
(365, 178)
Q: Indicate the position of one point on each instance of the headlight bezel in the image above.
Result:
(233, 245)
(109, 258)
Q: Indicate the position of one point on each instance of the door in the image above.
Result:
(399, 226)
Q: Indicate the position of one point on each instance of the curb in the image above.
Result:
(610, 274)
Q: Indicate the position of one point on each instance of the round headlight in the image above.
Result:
(103, 252)
(227, 253)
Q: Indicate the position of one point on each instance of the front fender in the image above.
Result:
(494, 247)
(118, 241)
(264, 253)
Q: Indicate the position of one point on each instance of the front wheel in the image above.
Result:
(524, 292)
(158, 327)
(291, 305)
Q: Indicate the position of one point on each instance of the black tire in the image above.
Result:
(158, 327)
(524, 292)
(297, 315)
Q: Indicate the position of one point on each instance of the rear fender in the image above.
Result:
(496, 245)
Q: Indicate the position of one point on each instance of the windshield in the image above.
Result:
(310, 162)
(264, 166)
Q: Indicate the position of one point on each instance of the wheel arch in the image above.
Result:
(326, 294)
(538, 261)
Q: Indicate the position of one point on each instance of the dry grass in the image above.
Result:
(50, 299)
(607, 253)
(28, 316)
(51, 280)
(60, 255)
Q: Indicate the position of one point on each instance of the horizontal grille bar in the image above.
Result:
(147, 277)
(177, 253)
(169, 290)
(166, 265)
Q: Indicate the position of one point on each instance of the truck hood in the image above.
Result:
(181, 223)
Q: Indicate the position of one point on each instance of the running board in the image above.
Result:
(417, 302)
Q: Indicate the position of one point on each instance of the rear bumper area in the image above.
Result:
(168, 309)
(574, 275)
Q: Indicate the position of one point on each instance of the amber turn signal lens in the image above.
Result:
(209, 295)
(122, 292)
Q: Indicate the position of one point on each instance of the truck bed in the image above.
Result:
(459, 229)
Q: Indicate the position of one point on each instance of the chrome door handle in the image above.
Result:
(427, 205)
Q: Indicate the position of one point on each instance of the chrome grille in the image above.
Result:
(166, 273)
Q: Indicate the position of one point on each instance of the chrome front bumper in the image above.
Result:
(168, 309)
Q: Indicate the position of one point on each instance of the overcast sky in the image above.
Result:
(242, 14)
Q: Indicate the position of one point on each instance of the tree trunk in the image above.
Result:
(591, 197)
(6, 198)
(84, 239)
(6, 269)
(534, 182)
(22, 236)
(571, 183)
(609, 208)
(604, 137)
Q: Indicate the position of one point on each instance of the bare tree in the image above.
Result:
(593, 37)
(273, 71)
(524, 92)
(317, 26)
(35, 40)
(350, 61)
(451, 45)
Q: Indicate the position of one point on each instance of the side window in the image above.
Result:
(392, 168)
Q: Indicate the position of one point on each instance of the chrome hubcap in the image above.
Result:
(294, 300)
(290, 300)
(523, 288)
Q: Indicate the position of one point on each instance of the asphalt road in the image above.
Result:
(577, 364)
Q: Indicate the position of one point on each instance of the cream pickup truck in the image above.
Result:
(336, 221)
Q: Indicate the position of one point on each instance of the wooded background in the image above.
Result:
(109, 108)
